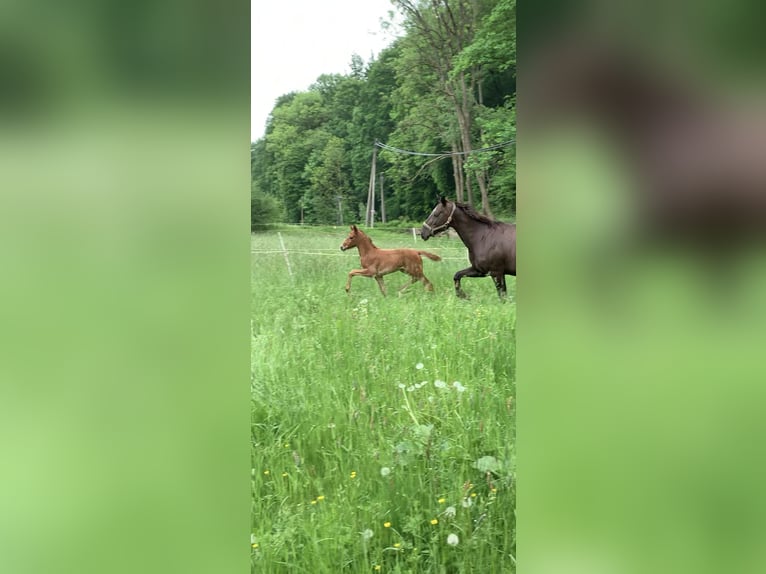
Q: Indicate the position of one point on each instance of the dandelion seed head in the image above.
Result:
(385, 471)
(419, 366)
(410, 389)
(367, 534)
(467, 502)
(450, 512)
(402, 385)
(440, 384)
(453, 540)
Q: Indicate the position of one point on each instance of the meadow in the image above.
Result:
(383, 429)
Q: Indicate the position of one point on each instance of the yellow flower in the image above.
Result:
(266, 472)
(287, 445)
(397, 544)
(494, 489)
(255, 545)
(284, 474)
(473, 495)
(377, 567)
(386, 525)
(313, 502)
(442, 500)
(321, 497)
(353, 474)
(434, 521)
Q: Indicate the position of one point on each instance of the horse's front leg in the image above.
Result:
(470, 272)
(354, 272)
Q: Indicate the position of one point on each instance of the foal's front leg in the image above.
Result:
(379, 279)
(470, 272)
(354, 272)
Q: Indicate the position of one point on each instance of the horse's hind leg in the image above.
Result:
(428, 285)
(500, 285)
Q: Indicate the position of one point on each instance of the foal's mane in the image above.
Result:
(475, 215)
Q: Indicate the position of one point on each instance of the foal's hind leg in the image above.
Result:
(413, 279)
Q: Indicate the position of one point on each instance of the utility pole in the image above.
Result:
(370, 213)
(340, 210)
(382, 200)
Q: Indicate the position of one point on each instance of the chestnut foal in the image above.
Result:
(378, 262)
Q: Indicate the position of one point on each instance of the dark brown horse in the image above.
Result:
(491, 244)
(378, 262)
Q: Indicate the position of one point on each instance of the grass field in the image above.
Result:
(383, 429)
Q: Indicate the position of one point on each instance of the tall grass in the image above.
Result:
(382, 428)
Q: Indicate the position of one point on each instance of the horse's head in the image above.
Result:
(352, 240)
(439, 220)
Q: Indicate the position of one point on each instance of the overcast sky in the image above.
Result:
(295, 41)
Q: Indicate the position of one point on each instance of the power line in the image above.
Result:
(390, 148)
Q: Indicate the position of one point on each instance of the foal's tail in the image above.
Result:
(431, 256)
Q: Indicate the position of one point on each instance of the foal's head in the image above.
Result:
(353, 238)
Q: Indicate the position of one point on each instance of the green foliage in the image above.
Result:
(318, 143)
(366, 452)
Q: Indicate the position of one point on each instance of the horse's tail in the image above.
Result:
(432, 256)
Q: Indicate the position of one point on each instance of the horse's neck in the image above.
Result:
(465, 227)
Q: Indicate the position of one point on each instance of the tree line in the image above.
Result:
(447, 84)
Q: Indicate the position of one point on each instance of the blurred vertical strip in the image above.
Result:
(642, 211)
(124, 289)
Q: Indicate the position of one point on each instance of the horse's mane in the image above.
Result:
(475, 215)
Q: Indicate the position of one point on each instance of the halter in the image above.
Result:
(445, 225)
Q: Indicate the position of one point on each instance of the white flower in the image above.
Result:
(467, 502)
(450, 512)
(440, 384)
(385, 471)
(367, 534)
(458, 387)
(419, 366)
(453, 540)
